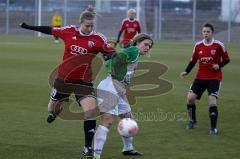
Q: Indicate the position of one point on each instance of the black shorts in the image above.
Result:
(199, 86)
(62, 90)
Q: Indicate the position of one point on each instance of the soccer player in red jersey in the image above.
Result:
(81, 45)
(212, 57)
(130, 27)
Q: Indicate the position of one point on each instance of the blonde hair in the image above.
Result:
(88, 14)
(131, 11)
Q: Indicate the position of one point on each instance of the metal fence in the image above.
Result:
(163, 19)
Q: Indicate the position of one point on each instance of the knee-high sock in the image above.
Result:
(100, 139)
(192, 112)
(89, 130)
(127, 143)
(213, 114)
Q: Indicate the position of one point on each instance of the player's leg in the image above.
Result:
(124, 110)
(85, 97)
(59, 94)
(106, 121)
(88, 105)
(213, 91)
(54, 109)
(191, 108)
(195, 92)
(108, 106)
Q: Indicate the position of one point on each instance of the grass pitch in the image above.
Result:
(25, 65)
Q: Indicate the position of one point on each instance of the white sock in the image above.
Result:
(127, 143)
(100, 139)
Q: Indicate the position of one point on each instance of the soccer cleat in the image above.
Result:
(132, 153)
(51, 117)
(191, 124)
(213, 131)
(87, 152)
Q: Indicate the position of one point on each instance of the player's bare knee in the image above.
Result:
(212, 100)
(90, 114)
(51, 106)
(107, 120)
(191, 98)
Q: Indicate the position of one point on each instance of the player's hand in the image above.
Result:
(183, 74)
(215, 66)
(23, 25)
(112, 44)
(129, 76)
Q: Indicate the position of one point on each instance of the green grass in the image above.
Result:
(25, 65)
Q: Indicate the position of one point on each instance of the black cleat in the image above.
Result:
(132, 153)
(87, 152)
(191, 124)
(213, 131)
(51, 117)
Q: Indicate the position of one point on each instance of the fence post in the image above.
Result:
(65, 13)
(229, 21)
(7, 17)
(39, 15)
(160, 21)
(138, 9)
(194, 20)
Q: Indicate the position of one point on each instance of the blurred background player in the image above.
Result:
(212, 57)
(57, 22)
(121, 69)
(130, 27)
(79, 42)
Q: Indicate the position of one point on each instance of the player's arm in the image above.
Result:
(42, 29)
(119, 36)
(121, 31)
(224, 62)
(139, 28)
(119, 60)
(108, 50)
(225, 59)
(191, 64)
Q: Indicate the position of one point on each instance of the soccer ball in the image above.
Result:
(127, 127)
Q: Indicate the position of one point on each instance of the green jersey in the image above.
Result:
(118, 65)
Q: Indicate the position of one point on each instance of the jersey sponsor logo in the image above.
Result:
(78, 50)
(134, 25)
(205, 60)
(90, 44)
(129, 30)
(213, 52)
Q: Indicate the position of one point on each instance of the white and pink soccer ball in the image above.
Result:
(127, 127)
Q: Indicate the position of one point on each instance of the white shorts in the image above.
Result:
(112, 99)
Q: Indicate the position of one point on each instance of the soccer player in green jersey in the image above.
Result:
(120, 70)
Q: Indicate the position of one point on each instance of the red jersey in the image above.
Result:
(207, 55)
(130, 28)
(78, 47)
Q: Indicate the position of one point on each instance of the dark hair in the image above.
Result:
(88, 14)
(208, 25)
(140, 37)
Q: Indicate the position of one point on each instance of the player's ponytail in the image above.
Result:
(140, 37)
(88, 14)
